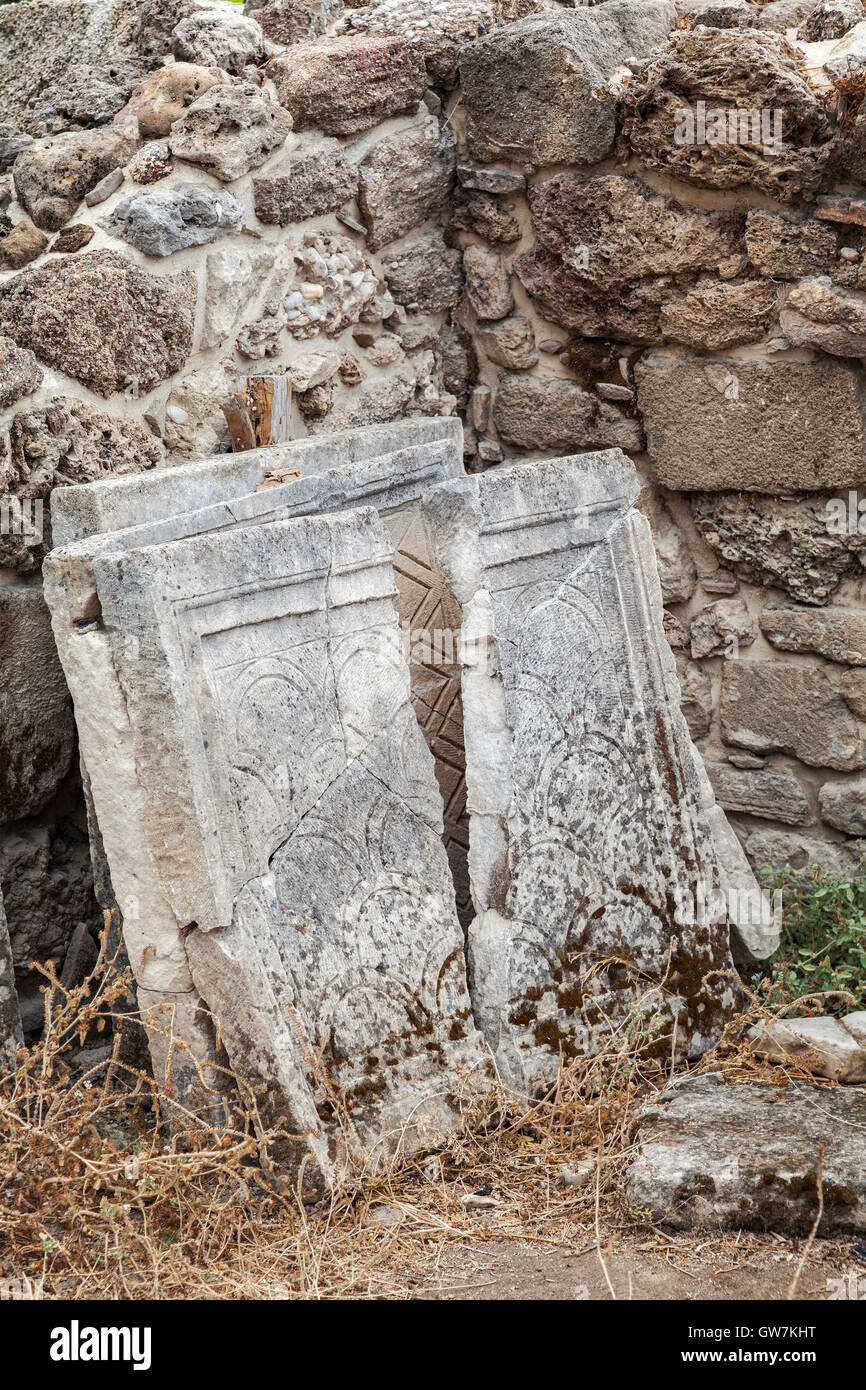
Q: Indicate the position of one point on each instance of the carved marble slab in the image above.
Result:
(286, 807)
(589, 846)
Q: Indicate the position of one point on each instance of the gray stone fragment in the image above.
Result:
(509, 343)
(535, 92)
(843, 805)
(775, 706)
(578, 763)
(221, 36)
(46, 879)
(716, 1155)
(12, 143)
(819, 1045)
(307, 184)
(830, 19)
(347, 85)
(677, 573)
(230, 130)
(777, 850)
(404, 180)
(11, 1033)
(839, 634)
(37, 732)
(104, 188)
(163, 220)
(855, 1024)
(234, 277)
(853, 687)
(817, 315)
(20, 373)
(53, 176)
(488, 284)
(722, 628)
(425, 275)
(766, 792)
(551, 413)
(696, 697)
(775, 426)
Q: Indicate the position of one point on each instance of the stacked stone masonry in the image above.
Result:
(225, 227)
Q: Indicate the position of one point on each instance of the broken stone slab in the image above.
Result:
(817, 315)
(291, 817)
(717, 423)
(588, 839)
(855, 1024)
(767, 792)
(777, 707)
(719, 1155)
(535, 92)
(115, 504)
(819, 1045)
(11, 1032)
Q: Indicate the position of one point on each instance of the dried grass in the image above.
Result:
(110, 1188)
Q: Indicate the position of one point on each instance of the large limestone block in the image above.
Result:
(589, 847)
(777, 707)
(716, 423)
(716, 1155)
(10, 1017)
(290, 816)
(536, 92)
(36, 727)
(837, 633)
(551, 413)
(404, 180)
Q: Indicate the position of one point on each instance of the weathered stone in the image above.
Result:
(20, 373)
(11, 1033)
(12, 143)
(36, 726)
(347, 85)
(164, 220)
(152, 163)
(58, 444)
(830, 20)
(509, 343)
(331, 766)
(696, 696)
(234, 276)
(550, 413)
(488, 284)
(456, 360)
(725, 109)
(781, 15)
(853, 687)
(89, 94)
(716, 314)
(787, 248)
(101, 319)
(311, 369)
(816, 315)
(774, 706)
(165, 96)
(104, 188)
(780, 541)
(714, 1154)
(290, 21)
(230, 130)
(609, 247)
(43, 45)
(338, 287)
(425, 275)
(219, 36)
(404, 180)
(21, 246)
(677, 573)
(819, 1045)
(847, 56)
(722, 628)
(307, 184)
(766, 792)
(855, 1024)
(316, 402)
(73, 238)
(486, 216)
(435, 33)
(378, 400)
(774, 849)
(547, 562)
(843, 805)
(837, 207)
(762, 426)
(52, 177)
(487, 180)
(837, 633)
(195, 424)
(535, 92)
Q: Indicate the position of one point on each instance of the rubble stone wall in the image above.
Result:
(636, 224)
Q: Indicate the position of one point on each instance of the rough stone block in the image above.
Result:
(716, 1155)
(819, 1045)
(553, 413)
(587, 832)
(837, 633)
(11, 1034)
(307, 184)
(535, 92)
(843, 805)
(716, 423)
(37, 732)
(777, 707)
(765, 792)
(347, 85)
(775, 849)
(404, 180)
(229, 130)
(290, 817)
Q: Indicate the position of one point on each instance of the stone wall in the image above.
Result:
(226, 226)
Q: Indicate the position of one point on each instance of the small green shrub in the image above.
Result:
(823, 942)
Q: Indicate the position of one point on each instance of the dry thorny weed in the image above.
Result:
(111, 1187)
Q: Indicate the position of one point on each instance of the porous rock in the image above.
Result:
(164, 220)
(347, 85)
(230, 130)
(52, 176)
(404, 180)
(37, 731)
(549, 413)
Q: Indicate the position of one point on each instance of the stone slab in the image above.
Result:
(718, 1155)
(291, 820)
(588, 837)
(819, 1045)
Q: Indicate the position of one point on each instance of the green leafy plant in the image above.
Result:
(823, 941)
